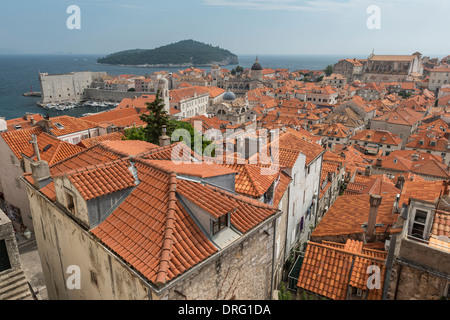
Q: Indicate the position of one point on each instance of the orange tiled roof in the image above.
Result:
(207, 123)
(18, 141)
(201, 170)
(281, 188)
(214, 92)
(24, 122)
(178, 95)
(381, 137)
(115, 136)
(426, 140)
(139, 103)
(349, 212)
(102, 179)
(218, 202)
(51, 149)
(153, 233)
(403, 116)
(428, 191)
(101, 153)
(176, 151)
(329, 268)
(70, 125)
(249, 181)
(432, 168)
(441, 224)
(125, 117)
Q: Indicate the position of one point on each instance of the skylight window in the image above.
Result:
(59, 125)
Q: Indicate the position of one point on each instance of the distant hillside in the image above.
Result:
(183, 53)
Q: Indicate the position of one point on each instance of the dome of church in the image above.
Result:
(256, 66)
(229, 96)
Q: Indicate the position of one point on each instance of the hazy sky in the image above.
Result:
(241, 26)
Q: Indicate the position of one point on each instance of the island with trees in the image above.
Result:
(186, 53)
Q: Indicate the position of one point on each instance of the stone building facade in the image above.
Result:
(392, 68)
(238, 265)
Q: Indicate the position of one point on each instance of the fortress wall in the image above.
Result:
(64, 87)
(69, 87)
(111, 96)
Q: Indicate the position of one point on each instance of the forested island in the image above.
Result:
(181, 54)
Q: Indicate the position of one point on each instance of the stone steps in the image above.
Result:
(14, 285)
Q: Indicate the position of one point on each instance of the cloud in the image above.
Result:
(317, 5)
(288, 5)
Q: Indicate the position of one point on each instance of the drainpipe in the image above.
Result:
(398, 281)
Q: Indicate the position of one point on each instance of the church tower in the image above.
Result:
(163, 86)
(256, 71)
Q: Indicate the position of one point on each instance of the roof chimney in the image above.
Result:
(375, 201)
(379, 162)
(40, 171)
(164, 140)
(400, 182)
(46, 124)
(367, 171)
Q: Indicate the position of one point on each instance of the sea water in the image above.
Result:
(20, 74)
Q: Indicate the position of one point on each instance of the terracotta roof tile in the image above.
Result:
(441, 224)
(99, 180)
(349, 212)
(129, 104)
(18, 141)
(69, 125)
(249, 181)
(155, 234)
(51, 149)
(24, 122)
(380, 137)
(115, 136)
(329, 268)
(421, 190)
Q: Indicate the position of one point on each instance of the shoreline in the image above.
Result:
(179, 65)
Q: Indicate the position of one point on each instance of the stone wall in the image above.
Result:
(69, 87)
(7, 234)
(415, 284)
(14, 190)
(242, 271)
(419, 272)
(111, 96)
(63, 243)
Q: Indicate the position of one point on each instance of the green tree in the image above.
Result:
(155, 120)
(284, 294)
(239, 70)
(233, 72)
(329, 70)
(134, 134)
(131, 90)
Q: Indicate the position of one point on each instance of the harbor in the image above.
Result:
(71, 105)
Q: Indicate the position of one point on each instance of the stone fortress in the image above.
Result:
(69, 87)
